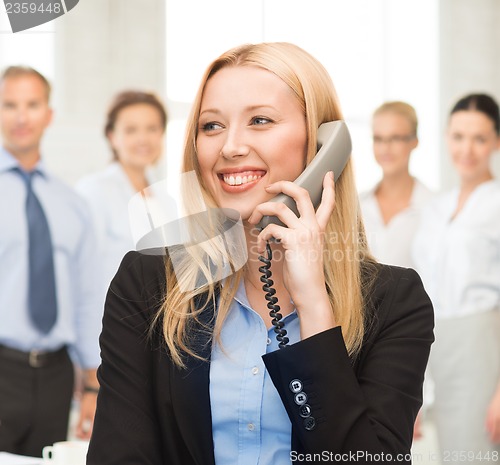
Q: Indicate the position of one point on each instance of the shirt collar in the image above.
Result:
(8, 162)
(417, 193)
(242, 299)
(241, 295)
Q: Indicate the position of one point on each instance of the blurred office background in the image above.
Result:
(426, 52)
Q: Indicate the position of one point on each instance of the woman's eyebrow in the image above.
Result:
(249, 108)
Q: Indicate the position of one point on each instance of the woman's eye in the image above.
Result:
(212, 126)
(260, 120)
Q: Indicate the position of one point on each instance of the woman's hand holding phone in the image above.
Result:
(302, 241)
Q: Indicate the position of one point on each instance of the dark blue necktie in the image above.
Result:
(42, 301)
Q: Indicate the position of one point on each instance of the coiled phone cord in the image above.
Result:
(272, 301)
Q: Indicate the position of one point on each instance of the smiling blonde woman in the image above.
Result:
(210, 384)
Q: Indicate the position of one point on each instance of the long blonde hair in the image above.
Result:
(345, 245)
(400, 108)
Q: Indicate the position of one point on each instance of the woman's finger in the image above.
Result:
(278, 209)
(300, 195)
(327, 205)
(270, 232)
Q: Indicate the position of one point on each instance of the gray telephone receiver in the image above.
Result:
(334, 149)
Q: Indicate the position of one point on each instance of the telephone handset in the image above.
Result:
(334, 149)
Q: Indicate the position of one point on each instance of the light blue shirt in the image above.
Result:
(75, 260)
(250, 424)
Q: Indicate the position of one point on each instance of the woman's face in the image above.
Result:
(393, 142)
(472, 139)
(137, 136)
(251, 133)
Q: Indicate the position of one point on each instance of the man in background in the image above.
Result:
(48, 300)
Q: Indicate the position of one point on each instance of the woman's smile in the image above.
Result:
(251, 133)
(238, 180)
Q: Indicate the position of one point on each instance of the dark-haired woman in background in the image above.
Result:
(135, 128)
(457, 252)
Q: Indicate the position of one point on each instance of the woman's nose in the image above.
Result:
(468, 147)
(235, 144)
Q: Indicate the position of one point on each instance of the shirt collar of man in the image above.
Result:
(8, 162)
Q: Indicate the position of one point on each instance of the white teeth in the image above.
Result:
(238, 180)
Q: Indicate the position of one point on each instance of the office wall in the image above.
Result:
(101, 47)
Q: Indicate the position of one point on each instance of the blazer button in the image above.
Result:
(300, 398)
(305, 410)
(309, 423)
(296, 385)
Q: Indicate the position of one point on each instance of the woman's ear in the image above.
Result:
(414, 143)
(110, 136)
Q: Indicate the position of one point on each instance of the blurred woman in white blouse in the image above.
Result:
(391, 209)
(135, 128)
(457, 252)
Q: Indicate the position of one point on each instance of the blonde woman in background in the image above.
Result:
(392, 208)
(457, 252)
(135, 129)
(210, 385)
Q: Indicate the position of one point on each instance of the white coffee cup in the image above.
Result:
(66, 453)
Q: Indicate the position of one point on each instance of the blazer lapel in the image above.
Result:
(190, 392)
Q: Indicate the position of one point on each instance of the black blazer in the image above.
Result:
(151, 412)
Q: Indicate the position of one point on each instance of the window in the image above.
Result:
(34, 47)
(375, 50)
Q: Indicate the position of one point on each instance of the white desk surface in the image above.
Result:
(11, 459)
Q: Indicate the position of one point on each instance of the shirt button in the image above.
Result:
(295, 385)
(268, 341)
(250, 426)
(300, 398)
(309, 423)
(305, 410)
(255, 370)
